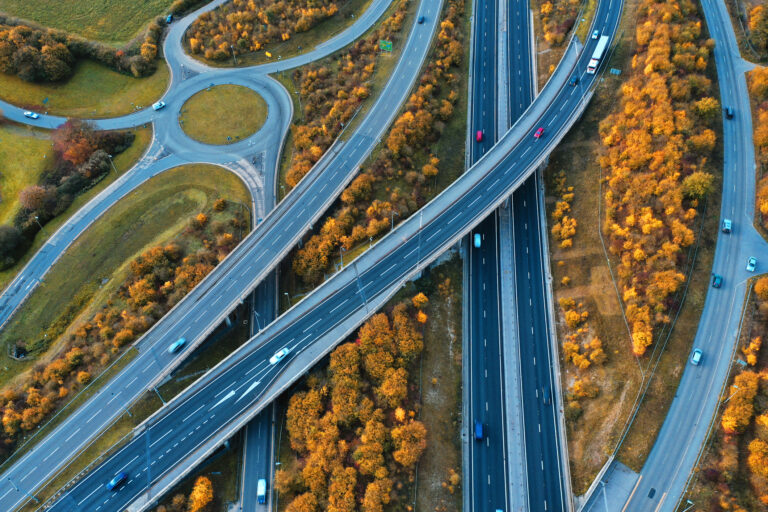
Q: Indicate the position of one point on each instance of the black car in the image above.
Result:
(420, 20)
(729, 112)
(717, 280)
(574, 81)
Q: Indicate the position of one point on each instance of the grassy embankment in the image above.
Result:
(594, 431)
(93, 91)
(95, 265)
(223, 114)
(152, 215)
(23, 155)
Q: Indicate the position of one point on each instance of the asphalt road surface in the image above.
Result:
(542, 441)
(237, 383)
(677, 447)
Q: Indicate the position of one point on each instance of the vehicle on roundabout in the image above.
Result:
(159, 105)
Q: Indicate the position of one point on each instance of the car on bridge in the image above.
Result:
(176, 345)
(31, 115)
(279, 355)
(479, 136)
(116, 482)
(478, 241)
(539, 133)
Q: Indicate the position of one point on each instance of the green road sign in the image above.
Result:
(385, 45)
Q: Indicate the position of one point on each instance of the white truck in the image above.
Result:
(597, 55)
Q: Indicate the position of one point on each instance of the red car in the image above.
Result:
(479, 136)
(538, 133)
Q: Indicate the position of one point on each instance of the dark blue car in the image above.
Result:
(478, 431)
(116, 482)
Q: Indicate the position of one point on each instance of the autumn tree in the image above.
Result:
(738, 413)
(202, 494)
(410, 442)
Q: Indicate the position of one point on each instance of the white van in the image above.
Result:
(261, 491)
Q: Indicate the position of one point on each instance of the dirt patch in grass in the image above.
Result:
(93, 91)
(124, 161)
(111, 21)
(94, 266)
(24, 151)
(223, 114)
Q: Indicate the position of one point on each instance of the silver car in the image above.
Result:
(751, 264)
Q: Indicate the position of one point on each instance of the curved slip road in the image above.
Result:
(684, 432)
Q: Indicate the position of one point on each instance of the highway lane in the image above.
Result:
(677, 447)
(234, 386)
(227, 285)
(258, 449)
(488, 477)
(546, 479)
(542, 442)
(487, 482)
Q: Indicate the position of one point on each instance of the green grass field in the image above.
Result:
(223, 114)
(123, 162)
(93, 91)
(112, 21)
(23, 155)
(95, 265)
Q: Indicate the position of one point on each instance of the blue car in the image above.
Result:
(478, 431)
(176, 345)
(478, 240)
(116, 482)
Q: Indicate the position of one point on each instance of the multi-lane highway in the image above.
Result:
(231, 393)
(677, 447)
(227, 285)
(487, 485)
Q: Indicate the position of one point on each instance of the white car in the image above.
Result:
(31, 115)
(696, 357)
(595, 34)
(158, 105)
(279, 355)
(751, 263)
